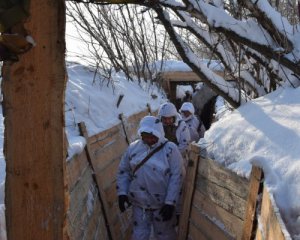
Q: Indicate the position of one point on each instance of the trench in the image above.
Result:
(218, 204)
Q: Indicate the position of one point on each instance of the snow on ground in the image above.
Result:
(94, 101)
(175, 65)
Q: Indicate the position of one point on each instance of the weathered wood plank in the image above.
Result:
(255, 181)
(231, 223)
(258, 235)
(33, 106)
(75, 168)
(195, 233)
(103, 156)
(272, 223)
(101, 194)
(101, 232)
(93, 221)
(222, 197)
(223, 177)
(189, 186)
(101, 139)
(111, 194)
(79, 218)
(108, 175)
(79, 195)
(207, 226)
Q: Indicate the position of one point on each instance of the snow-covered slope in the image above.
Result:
(266, 133)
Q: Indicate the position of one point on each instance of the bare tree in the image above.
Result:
(258, 62)
(124, 38)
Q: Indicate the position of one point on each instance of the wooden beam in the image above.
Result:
(188, 195)
(101, 194)
(272, 225)
(231, 223)
(184, 76)
(255, 189)
(223, 177)
(172, 93)
(35, 149)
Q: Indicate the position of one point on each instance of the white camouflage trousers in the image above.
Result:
(144, 220)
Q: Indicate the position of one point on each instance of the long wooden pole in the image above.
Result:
(35, 151)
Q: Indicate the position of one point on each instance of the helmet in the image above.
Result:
(152, 125)
(167, 110)
(187, 106)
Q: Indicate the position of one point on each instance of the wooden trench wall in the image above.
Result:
(218, 204)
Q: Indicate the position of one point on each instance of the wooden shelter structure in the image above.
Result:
(171, 79)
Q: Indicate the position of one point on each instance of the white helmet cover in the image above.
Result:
(167, 110)
(152, 125)
(187, 106)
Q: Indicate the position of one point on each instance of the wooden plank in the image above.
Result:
(172, 93)
(207, 226)
(79, 194)
(101, 232)
(101, 195)
(181, 76)
(111, 194)
(188, 194)
(104, 137)
(222, 197)
(92, 221)
(195, 233)
(79, 218)
(259, 235)
(103, 156)
(273, 226)
(231, 223)
(33, 106)
(135, 119)
(255, 182)
(75, 168)
(108, 175)
(121, 117)
(222, 176)
(103, 140)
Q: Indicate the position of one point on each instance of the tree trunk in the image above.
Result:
(34, 129)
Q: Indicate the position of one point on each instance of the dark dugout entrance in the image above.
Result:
(203, 99)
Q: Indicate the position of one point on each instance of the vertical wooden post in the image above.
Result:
(173, 88)
(101, 193)
(254, 190)
(34, 129)
(189, 189)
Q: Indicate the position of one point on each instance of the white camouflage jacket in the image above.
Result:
(196, 132)
(155, 183)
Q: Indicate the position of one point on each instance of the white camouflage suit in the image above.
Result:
(182, 132)
(192, 122)
(157, 182)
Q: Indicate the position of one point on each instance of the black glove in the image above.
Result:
(122, 200)
(166, 212)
